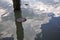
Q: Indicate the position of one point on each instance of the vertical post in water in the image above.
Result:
(17, 14)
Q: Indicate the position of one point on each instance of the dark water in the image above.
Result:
(50, 31)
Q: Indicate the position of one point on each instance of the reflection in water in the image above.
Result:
(51, 30)
(7, 25)
(8, 17)
(35, 17)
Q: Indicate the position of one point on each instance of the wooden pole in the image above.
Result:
(17, 14)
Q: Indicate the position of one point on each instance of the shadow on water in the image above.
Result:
(7, 38)
(51, 30)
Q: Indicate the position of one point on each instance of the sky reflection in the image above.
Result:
(37, 12)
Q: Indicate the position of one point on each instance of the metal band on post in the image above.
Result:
(21, 20)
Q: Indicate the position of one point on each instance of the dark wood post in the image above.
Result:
(17, 14)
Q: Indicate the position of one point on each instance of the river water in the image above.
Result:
(42, 19)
